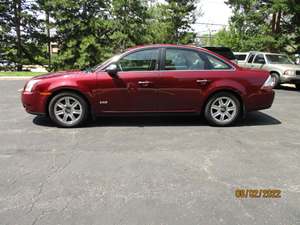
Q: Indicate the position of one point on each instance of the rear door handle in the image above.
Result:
(203, 82)
(144, 83)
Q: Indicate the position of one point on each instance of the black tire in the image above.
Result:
(81, 105)
(276, 78)
(209, 110)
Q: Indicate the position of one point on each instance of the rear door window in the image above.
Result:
(183, 59)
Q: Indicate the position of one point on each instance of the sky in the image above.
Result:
(214, 11)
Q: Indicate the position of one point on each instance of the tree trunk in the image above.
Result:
(278, 20)
(17, 21)
(48, 37)
(273, 22)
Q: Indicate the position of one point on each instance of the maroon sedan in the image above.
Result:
(152, 79)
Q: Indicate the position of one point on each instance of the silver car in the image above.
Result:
(281, 68)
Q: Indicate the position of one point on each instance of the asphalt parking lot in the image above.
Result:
(148, 171)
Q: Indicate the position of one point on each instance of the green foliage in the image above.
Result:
(262, 25)
(20, 32)
(89, 31)
(80, 31)
(171, 23)
(20, 73)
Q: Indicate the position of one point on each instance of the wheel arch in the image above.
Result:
(275, 71)
(236, 93)
(68, 89)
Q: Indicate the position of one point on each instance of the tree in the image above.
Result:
(82, 28)
(171, 22)
(269, 25)
(129, 23)
(44, 6)
(20, 32)
(180, 15)
(89, 31)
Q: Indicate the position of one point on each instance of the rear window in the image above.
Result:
(223, 51)
(241, 57)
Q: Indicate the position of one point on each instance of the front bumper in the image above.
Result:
(263, 99)
(34, 103)
(290, 79)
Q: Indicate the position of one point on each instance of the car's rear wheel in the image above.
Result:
(68, 109)
(276, 78)
(222, 109)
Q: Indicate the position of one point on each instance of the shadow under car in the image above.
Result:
(252, 119)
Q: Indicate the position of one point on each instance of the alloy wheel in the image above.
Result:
(68, 110)
(223, 109)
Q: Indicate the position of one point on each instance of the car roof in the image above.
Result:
(241, 52)
(164, 45)
(170, 45)
(269, 53)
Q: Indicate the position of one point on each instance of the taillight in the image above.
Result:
(269, 83)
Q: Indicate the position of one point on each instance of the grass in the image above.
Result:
(21, 73)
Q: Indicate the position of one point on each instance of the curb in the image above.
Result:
(15, 77)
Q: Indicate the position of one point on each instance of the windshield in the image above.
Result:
(278, 59)
(99, 66)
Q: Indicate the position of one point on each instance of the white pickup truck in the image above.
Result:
(281, 68)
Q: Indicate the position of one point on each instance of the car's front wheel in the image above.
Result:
(276, 79)
(222, 109)
(68, 109)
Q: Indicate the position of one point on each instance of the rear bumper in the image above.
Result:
(34, 103)
(263, 99)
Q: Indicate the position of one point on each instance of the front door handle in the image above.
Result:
(145, 83)
(203, 82)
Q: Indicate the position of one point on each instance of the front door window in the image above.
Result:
(146, 60)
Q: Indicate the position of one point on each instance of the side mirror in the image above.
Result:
(112, 70)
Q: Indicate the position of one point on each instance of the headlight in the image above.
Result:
(30, 85)
(290, 73)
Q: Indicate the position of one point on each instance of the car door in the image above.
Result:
(184, 77)
(133, 88)
(259, 62)
(249, 61)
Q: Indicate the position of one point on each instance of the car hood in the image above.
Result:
(60, 74)
(285, 66)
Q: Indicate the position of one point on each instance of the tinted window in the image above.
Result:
(259, 59)
(251, 57)
(241, 57)
(144, 60)
(180, 59)
(223, 51)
